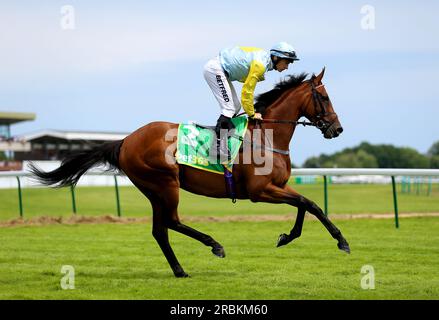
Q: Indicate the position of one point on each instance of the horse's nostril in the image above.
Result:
(339, 130)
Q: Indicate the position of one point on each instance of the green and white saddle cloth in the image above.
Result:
(194, 145)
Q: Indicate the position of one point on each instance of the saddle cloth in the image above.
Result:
(196, 145)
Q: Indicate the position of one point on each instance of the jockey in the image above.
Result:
(247, 65)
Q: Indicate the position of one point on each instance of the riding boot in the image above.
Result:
(221, 130)
(223, 152)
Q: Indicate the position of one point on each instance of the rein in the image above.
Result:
(317, 100)
(304, 123)
(319, 122)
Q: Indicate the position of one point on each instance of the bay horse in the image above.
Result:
(141, 156)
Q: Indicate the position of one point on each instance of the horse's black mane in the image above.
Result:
(264, 100)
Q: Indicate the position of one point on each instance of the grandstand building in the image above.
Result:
(8, 144)
(44, 144)
(55, 144)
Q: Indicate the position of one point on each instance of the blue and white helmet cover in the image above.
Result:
(284, 50)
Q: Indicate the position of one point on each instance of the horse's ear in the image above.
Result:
(318, 79)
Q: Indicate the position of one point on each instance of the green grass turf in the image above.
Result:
(114, 261)
(102, 200)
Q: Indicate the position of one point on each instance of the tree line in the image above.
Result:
(367, 155)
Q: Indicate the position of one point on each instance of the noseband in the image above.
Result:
(319, 121)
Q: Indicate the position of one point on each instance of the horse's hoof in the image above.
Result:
(181, 274)
(283, 240)
(344, 246)
(219, 251)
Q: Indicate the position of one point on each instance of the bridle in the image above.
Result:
(318, 120)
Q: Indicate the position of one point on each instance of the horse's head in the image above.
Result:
(319, 110)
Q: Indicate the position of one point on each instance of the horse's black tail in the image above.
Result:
(76, 164)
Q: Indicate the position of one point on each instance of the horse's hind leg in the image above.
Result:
(207, 240)
(173, 222)
(160, 225)
(166, 217)
(160, 233)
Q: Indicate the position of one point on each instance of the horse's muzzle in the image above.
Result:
(334, 130)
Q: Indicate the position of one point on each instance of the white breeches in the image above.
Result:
(222, 88)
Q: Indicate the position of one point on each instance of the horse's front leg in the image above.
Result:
(274, 194)
(296, 231)
(286, 194)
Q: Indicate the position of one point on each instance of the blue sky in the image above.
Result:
(129, 63)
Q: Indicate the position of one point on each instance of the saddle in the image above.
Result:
(196, 147)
